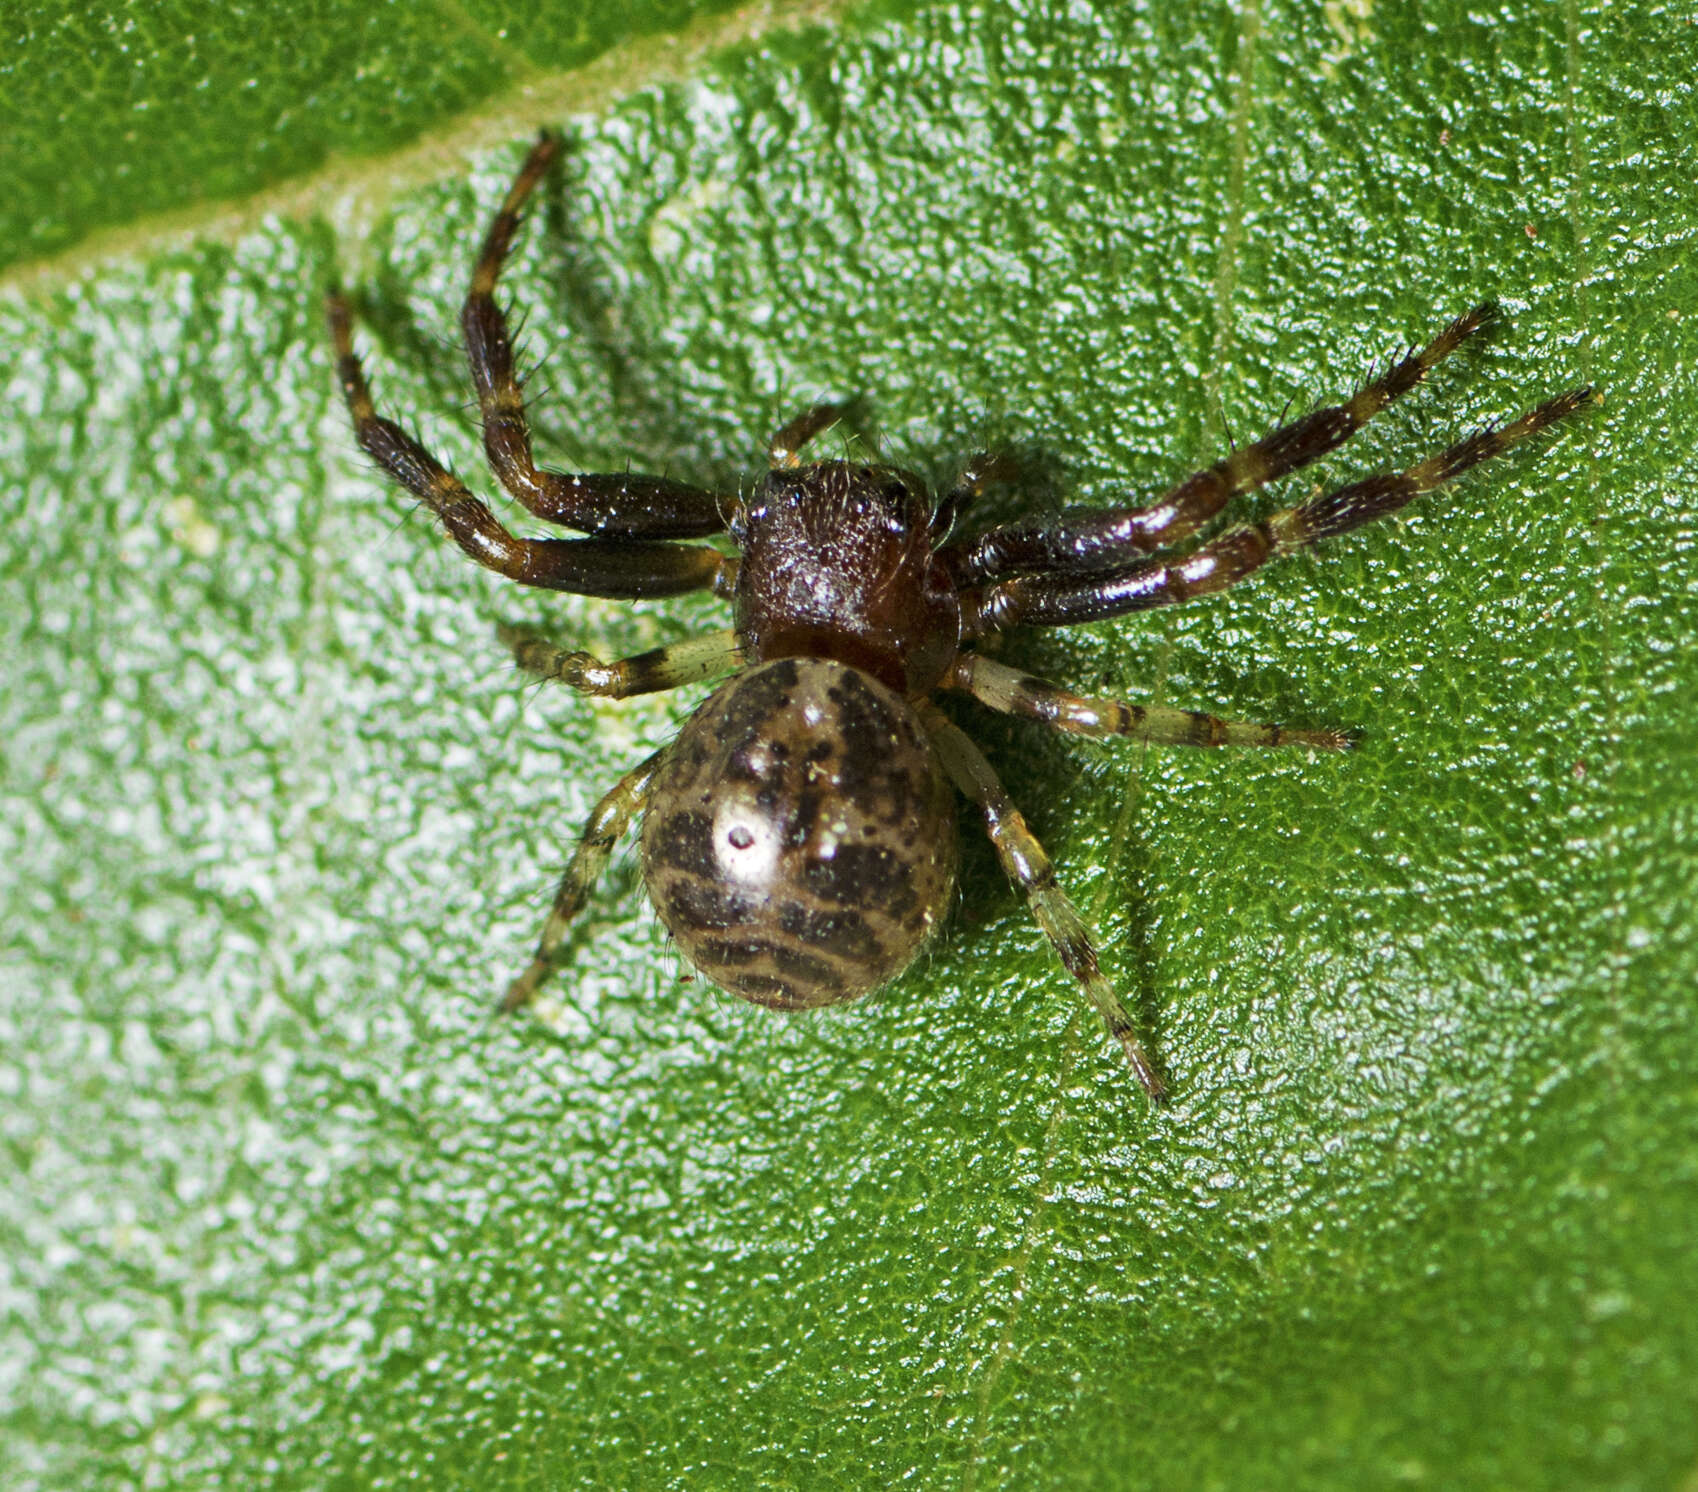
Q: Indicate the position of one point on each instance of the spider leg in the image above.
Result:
(1098, 538)
(1016, 693)
(784, 450)
(610, 818)
(1056, 599)
(623, 504)
(1027, 865)
(588, 567)
(684, 662)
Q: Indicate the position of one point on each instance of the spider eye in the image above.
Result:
(902, 497)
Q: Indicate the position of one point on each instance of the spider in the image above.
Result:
(799, 835)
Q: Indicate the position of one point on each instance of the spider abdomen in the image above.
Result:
(799, 840)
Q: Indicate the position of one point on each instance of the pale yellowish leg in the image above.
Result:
(1029, 868)
(1016, 693)
(686, 662)
(609, 820)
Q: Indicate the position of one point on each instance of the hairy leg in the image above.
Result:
(1059, 599)
(609, 819)
(1027, 865)
(1101, 538)
(588, 567)
(1016, 693)
(684, 662)
(623, 504)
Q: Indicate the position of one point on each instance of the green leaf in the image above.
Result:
(277, 819)
(106, 116)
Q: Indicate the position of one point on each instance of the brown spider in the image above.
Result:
(799, 836)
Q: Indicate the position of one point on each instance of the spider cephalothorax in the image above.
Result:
(799, 835)
(837, 562)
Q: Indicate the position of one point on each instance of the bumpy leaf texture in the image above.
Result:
(284, 1207)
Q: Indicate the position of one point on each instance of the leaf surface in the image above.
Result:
(277, 819)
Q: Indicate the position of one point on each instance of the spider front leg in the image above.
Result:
(1058, 599)
(608, 821)
(1016, 693)
(619, 568)
(686, 662)
(625, 504)
(1094, 539)
(1027, 865)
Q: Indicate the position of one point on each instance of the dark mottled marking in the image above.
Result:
(763, 694)
(805, 820)
(764, 989)
(862, 875)
(899, 800)
(841, 934)
(816, 973)
(740, 765)
(865, 729)
(685, 841)
(698, 904)
(724, 952)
